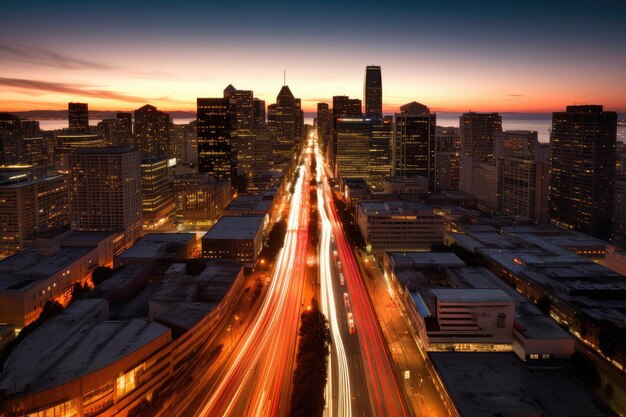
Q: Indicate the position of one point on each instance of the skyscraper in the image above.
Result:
(522, 188)
(157, 195)
(152, 131)
(105, 191)
(373, 92)
(343, 107)
(582, 155)
(78, 116)
(216, 120)
(414, 142)
(353, 148)
(477, 133)
(259, 113)
(11, 139)
(242, 133)
(323, 125)
(381, 148)
(285, 123)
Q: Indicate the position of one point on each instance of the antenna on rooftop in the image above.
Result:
(284, 77)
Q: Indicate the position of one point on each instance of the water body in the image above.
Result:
(540, 122)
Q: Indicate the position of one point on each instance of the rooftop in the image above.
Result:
(106, 150)
(237, 228)
(75, 343)
(260, 203)
(471, 295)
(488, 384)
(421, 259)
(393, 207)
(28, 183)
(155, 245)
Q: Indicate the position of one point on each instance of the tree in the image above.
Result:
(100, 274)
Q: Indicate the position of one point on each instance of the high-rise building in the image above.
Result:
(479, 179)
(523, 175)
(216, 121)
(285, 122)
(582, 156)
(78, 116)
(323, 125)
(447, 158)
(353, 148)
(373, 92)
(243, 132)
(11, 138)
(244, 106)
(105, 191)
(381, 148)
(29, 207)
(415, 142)
(344, 107)
(118, 131)
(258, 107)
(157, 197)
(477, 133)
(152, 128)
(200, 199)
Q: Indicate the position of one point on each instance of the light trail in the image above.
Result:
(344, 406)
(387, 397)
(269, 345)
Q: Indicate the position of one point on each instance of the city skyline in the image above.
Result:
(450, 56)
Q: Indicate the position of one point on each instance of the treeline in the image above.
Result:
(275, 241)
(309, 378)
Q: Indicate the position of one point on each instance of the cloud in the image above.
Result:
(37, 86)
(515, 95)
(31, 54)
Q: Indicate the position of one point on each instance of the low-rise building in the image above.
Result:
(236, 238)
(155, 246)
(90, 363)
(200, 199)
(406, 185)
(30, 278)
(398, 226)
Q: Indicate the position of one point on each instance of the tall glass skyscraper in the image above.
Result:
(373, 92)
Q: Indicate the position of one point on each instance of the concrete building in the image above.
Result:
(489, 384)
(151, 131)
(236, 238)
(479, 179)
(30, 207)
(105, 191)
(200, 199)
(405, 185)
(30, 278)
(93, 364)
(398, 225)
(155, 246)
(477, 134)
(157, 194)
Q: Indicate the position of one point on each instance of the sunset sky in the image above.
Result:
(450, 55)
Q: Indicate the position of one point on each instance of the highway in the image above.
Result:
(256, 376)
(385, 395)
(346, 390)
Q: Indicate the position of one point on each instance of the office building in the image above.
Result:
(260, 118)
(200, 199)
(398, 226)
(151, 131)
(29, 207)
(477, 134)
(105, 191)
(373, 92)
(414, 142)
(344, 107)
(157, 195)
(582, 155)
(236, 238)
(216, 153)
(381, 148)
(118, 131)
(285, 122)
(523, 175)
(11, 138)
(78, 116)
(479, 179)
(353, 147)
(323, 125)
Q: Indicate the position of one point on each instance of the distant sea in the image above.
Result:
(540, 122)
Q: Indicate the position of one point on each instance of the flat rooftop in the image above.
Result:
(155, 245)
(24, 269)
(28, 183)
(236, 228)
(393, 207)
(68, 347)
(424, 259)
(250, 203)
(471, 295)
(488, 384)
(110, 150)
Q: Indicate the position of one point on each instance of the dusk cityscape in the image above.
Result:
(321, 209)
